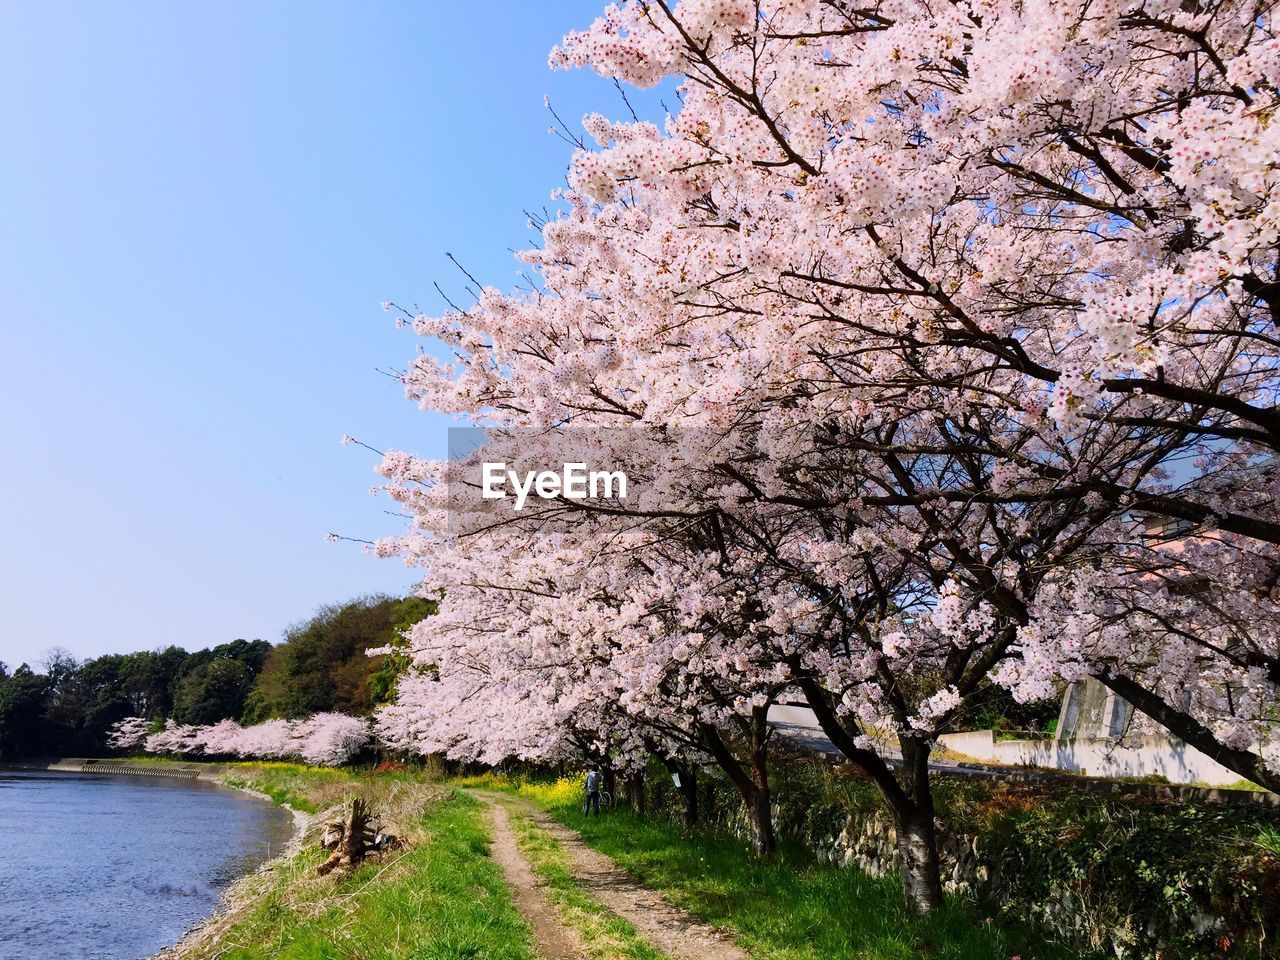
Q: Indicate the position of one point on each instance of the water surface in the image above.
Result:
(114, 868)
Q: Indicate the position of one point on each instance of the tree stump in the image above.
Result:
(350, 838)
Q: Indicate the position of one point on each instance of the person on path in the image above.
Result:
(593, 792)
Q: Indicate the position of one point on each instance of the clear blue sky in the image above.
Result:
(200, 211)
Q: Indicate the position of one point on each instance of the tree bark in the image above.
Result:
(687, 774)
(760, 810)
(635, 792)
(918, 861)
(752, 781)
(908, 795)
(916, 826)
(689, 790)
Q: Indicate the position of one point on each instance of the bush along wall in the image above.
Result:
(1113, 875)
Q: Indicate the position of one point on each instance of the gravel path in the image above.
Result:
(555, 941)
(671, 930)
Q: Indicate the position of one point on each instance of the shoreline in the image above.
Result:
(227, 902)
(117, 767)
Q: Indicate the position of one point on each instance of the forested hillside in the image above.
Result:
(65, 707)
(322, 666)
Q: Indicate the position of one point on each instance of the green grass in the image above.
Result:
(603, 933)
(304, 788)
(1237, 785)
(443, 899)
(1269, 839)
(789, 908)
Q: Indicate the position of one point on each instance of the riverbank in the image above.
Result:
(449, 893)
(439, 895)
(128, 766)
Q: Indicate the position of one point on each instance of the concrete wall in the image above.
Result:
(1090, 710)
(978, 744)
(150, 768)
(1098, 757)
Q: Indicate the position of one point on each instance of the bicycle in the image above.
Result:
(606, 800)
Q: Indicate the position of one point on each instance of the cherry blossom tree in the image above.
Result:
(325, 739)
(903, 319)
(129, 733)
(1008, 179)
(332, 739)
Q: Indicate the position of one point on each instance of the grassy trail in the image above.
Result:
(441, 899)
(614, 917)
(445, 898)
(602, 932)
(788, 908)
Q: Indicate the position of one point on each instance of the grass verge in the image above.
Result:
(309, 789)
(788, 908)
(441, 898)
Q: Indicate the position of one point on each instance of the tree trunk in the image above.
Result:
(760, 806)
(686, 779)
(610, 782)
(917, 831)
(753, 784)
(908, 795)
(635, 792)
(689, 790)
(918, 862)
(760, 813)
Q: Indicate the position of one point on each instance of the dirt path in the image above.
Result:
(671, 930)
(555, 941)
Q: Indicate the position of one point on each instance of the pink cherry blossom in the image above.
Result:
(907, 320)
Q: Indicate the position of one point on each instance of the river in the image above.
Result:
(115, 868)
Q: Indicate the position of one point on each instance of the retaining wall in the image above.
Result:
(1145, 756)
(159, 768)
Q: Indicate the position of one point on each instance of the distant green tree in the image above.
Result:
(101, 700)
(211, 691)
(22, 701)
(147, 679)
(322, 665)
(211, 685)
(67, 702)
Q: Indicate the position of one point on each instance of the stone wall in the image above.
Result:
(867, 842)
(1136, 872)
